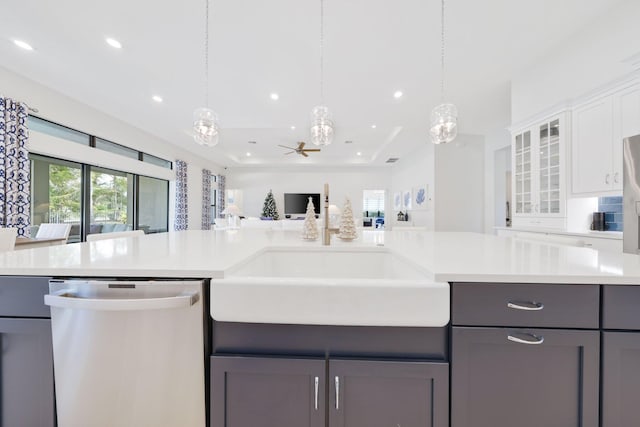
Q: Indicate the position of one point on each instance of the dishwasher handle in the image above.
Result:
(68, 298)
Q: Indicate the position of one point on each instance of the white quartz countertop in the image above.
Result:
(613, 235)
(447, 256)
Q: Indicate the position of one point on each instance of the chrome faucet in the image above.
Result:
(326, 230)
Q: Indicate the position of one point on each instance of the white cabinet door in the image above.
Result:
(626, 123)
(592, 153)
(522, 179)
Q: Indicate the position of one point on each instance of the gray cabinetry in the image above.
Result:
(382, 394)
(620, 356)
(509, 368)
(497, 381)
(26, 364)
(283, 392)
(267, 392)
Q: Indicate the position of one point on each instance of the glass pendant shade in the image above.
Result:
(321, 126)
(444, 123)
(205, 127)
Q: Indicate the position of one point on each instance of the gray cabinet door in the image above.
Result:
(383, 394)
(267, 392)
(620, 379)
(26, 373)
(497, 381)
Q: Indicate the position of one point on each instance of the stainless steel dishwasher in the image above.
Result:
(128, 353)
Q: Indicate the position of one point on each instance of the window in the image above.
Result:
(111, 147)
(59, 131)
(156, 161)
(58, 188)
(373, 203)
(111, 195)
(56, 194)
(153, 205)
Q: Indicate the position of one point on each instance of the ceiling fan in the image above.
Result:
(300, 149)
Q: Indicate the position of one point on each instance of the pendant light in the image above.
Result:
(444, 117)
(321, 124)
(205, 120)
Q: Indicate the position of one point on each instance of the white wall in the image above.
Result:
(412, 170)
(591, 58)
(255, 183)
(61, 109)
(459, 176)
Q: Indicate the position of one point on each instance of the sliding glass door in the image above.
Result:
(111, 206)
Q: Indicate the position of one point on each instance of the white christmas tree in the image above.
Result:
(310, 228)
(347, 224)
(269, 209)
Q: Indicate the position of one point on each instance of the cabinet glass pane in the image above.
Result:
(544, 135)
(555, 129)
(544, 207)
(527, 140)
(554, 207)
(518, 144)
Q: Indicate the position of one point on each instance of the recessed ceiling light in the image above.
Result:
(248, 154)
(373, 126)
(397, 94)
(252, 142)
(293, 128)
(113, 43)
(22, 44)
(157, 98)
(275, 96)
(348, 141)
(358, 154)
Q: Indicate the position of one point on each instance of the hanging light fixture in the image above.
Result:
(205, 120)
(321, 124)
(444, 117)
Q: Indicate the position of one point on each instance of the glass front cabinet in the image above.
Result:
(538, 174)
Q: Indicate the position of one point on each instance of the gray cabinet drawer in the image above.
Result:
(527, 305)
(620, 307)
(23, 296)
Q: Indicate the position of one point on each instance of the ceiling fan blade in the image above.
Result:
(300, 145)
(307, 150)
(289, 152)
(304, 154)
(284, 146)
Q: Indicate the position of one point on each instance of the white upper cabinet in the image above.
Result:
(592, 147)
(599, 126)
(538, 179)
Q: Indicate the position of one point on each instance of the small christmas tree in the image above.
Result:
(310, 229)
(269, 209)
(347, 224)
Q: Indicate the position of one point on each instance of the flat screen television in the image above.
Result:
(296, 203)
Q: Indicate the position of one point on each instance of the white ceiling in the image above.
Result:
(372, 48)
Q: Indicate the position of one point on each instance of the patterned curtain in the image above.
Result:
(15, 198)
(182, 213)
(206, 199)
(222, 181)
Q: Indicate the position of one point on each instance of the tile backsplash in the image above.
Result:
(612, 207)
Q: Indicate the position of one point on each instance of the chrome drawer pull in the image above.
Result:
(525, 305)
(316, 390)
(538, 339)
(337, 382)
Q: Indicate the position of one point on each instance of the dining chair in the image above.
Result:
(7, 238)
(53, 231)
(114, 235)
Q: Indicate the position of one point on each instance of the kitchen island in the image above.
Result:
(558, 319)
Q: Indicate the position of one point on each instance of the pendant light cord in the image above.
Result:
(321, 52)
(206, 55)
(442, 53)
